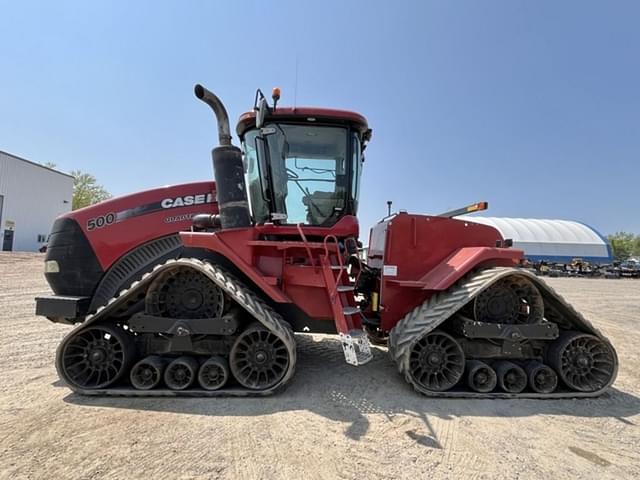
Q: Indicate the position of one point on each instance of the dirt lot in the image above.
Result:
(335, 421)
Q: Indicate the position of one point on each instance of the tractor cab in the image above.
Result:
(302, 165)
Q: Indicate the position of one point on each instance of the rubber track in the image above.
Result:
(441, 306)
(253, 304)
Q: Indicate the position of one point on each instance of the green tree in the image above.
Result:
(624, 245)
(86, 190)
(49, 164)
(636, 246)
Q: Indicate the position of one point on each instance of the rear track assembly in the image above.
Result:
(583, 358)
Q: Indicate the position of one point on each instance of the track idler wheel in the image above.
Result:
(147, 373)
(436, 361)
(95, 357)
(584, 362)
(511, 377)
(213, 373)
(181, 373)
(542, 378)
(481, 377)
(511, 300)
(259, 359)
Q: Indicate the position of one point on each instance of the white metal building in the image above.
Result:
(550, 240)
(31, 197)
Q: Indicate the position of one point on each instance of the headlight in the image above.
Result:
(51, 266)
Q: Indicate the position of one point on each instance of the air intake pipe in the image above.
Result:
(227, 168)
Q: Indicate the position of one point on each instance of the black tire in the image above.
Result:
(436, 361)
(259, 359)
(95, 357)
(583, 362)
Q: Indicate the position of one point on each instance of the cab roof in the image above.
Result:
(309, 115)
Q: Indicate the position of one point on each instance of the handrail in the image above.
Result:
(340, 263)
(306, 244)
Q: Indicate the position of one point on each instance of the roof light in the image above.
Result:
(275, 95)
(476, 207)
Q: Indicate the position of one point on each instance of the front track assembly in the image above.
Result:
(501, 333)
(103, 356)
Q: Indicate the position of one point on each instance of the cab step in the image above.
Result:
(346, 288)
(355, 345)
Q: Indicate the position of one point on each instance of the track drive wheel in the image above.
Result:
(185, 293)
(511, 300)
(584, 362)
(436, 362)
(259, 359)
(95, 357)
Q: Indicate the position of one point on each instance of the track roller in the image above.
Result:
(181, 373)
(542, 378)
(584, 362)
(147, 373)
(213, 373)
(511, 377)
(481, 377)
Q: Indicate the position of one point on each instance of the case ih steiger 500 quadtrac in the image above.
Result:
(198, 289)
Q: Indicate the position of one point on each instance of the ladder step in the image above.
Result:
(355, 345)
(350, 310)
(346, 288)
(338, 267)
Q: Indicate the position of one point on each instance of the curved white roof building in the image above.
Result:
(551, 240)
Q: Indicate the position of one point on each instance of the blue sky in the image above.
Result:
(533, 106)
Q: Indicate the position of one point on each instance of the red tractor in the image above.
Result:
(198, 289)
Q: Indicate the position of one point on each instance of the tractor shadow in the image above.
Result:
(325, 385)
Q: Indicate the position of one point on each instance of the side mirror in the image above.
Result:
(262, 109)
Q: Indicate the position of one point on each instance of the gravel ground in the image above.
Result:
(334, 421)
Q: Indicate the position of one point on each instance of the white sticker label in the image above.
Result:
(390, 270)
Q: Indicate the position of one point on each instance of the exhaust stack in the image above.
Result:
(224, 132)
(228, 169)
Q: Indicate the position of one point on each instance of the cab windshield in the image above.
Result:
(303, 172)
